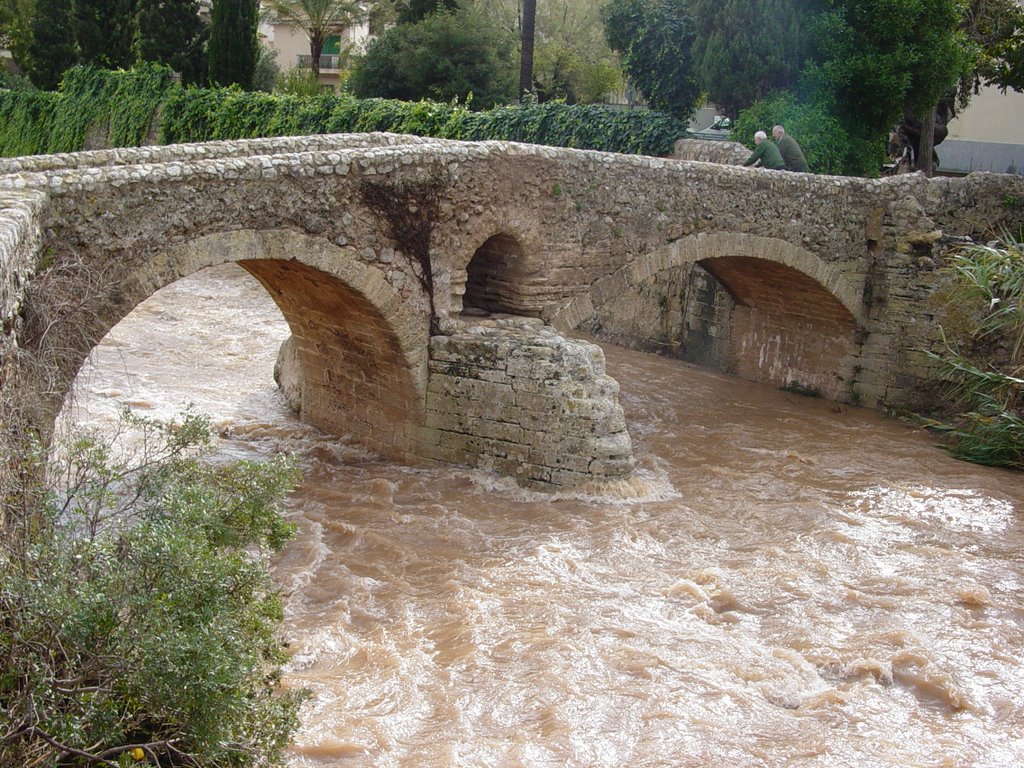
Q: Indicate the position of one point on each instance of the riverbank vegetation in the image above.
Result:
(985, 372)
(138, 621)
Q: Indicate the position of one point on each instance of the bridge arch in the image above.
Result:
(360, 349)
(495, 277)
(790, 318)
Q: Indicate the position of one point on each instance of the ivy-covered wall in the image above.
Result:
(95, 109)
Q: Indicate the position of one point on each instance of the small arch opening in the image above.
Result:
(498, 279)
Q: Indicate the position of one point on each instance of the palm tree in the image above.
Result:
(318, 19)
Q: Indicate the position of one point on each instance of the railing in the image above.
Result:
(328, 62)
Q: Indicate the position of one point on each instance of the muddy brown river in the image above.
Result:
(786, 582)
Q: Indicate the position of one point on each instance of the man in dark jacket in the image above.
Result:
(791, 153)
(765, 153)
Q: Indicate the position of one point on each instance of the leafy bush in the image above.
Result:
(448, 55)
(299, 82)
(137, 617)
(985, 374)
(822, 138)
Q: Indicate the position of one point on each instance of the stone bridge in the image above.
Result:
(429, 285)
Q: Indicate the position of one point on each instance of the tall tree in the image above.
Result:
(873, 64)
(526, 47)
(318, 19)
(445, 56)
(52, 43)
(104, 30)
(171, 32)
(654, 39)
(233, 48)
(744, 49)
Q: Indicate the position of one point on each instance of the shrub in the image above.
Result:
(447, 55)
(984, 373)
(822, 138)
(137, 616)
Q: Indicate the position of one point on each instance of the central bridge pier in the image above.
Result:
(390, 258)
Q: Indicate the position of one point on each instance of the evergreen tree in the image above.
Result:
(744, 49)
(233, 48)
(104, 30)
(444, 57)
(52, 48)
(170, 32)
(654, 38)
(872, 67)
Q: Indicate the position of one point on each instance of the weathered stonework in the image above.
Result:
(526, 403)
(823, 282)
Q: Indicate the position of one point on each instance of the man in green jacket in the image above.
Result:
(791, 153)
(765, 153)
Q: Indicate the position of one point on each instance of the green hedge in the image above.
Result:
(96, 108)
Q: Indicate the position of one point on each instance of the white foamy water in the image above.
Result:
(786, 582)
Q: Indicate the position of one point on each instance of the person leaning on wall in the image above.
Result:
(765, 153)
(791, 153)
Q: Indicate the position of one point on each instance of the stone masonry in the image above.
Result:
(525, 402)
(791, 279)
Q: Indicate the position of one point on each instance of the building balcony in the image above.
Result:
(329, 62)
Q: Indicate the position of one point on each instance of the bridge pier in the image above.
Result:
(513, 398)
(527, 403)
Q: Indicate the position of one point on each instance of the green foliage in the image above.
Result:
(998, 27)
(299, 82)
(233, 48)
(445, 56)
(874, 59)
(16, 30)
(985, 375)
(581, 127)
(137, 611)
(53, 43)
(821, 136)
(26, 117)
(188, 115)
(170, 32)
(414, 11)
(267, 73)
(104, 30)
(654, 38)
(114, 108)
(744, 49)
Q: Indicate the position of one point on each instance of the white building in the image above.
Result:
(292, 47)
(987, 136)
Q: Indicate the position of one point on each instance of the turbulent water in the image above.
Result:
(785, 583)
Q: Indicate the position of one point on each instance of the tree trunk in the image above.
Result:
(526, 57)
(926, 144)
(316, 47)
